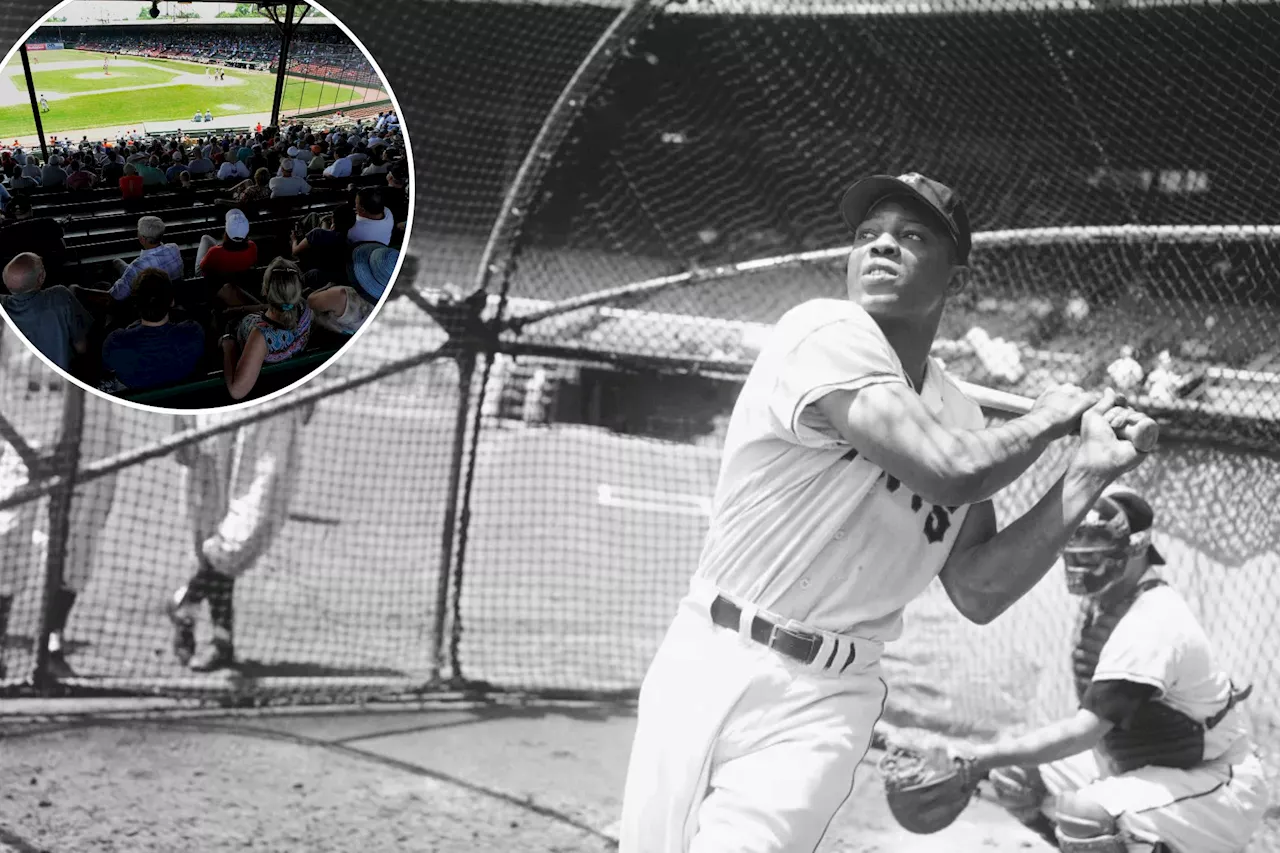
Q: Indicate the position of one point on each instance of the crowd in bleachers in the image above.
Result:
(114, 270)
(257, 49)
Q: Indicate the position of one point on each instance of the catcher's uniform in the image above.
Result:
(760, 703)
(1211, 802)
(239, 485)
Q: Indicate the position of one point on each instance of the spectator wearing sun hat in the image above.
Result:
(234, 253)
(343, 308)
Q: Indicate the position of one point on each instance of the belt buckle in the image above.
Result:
(773, 635)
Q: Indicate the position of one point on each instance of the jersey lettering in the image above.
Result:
(936, 522)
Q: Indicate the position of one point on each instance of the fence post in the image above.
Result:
(66, 462)
(466, 361)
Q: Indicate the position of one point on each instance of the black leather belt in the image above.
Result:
(797, 645)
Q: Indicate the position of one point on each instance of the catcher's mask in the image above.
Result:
(1117, 528)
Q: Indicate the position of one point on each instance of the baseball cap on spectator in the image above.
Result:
(372, 265)
(237, 225)
(293, 151)
(944, 202)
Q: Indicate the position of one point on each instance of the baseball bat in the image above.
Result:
(1144, 432)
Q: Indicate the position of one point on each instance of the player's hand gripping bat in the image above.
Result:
(1142, 431)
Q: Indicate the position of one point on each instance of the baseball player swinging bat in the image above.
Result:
(1143, 431)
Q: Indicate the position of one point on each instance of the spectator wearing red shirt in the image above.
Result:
(80, 177)
(131, 183)
(236, 252)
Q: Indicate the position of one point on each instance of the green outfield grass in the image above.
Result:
(169, 103)
(69, 82)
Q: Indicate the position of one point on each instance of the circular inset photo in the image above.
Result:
(202, 204)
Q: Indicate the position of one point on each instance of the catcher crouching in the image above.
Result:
(1158, 758)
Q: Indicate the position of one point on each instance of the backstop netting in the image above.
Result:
(1115, 167)
(638, 193)
(328, 74)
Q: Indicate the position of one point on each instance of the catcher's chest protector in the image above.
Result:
(1156, 734)
(1094, 633)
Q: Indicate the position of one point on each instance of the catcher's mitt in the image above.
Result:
(926, 788)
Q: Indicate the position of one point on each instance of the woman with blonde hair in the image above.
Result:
(274, 329)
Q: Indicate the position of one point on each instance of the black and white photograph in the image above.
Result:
(737, 426)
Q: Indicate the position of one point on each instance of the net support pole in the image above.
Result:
(466, 361)
(286, 28)
(35, 102)
(67, 459)
(630, 21)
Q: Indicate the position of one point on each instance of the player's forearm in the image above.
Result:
(1050, 743)
(996, 573)
(990, 459)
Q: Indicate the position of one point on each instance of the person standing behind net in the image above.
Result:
(855, 471)
(22, 564)
(238, 488)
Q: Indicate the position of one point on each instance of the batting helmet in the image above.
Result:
(1098, 552)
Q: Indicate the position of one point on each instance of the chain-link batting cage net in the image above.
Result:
(634, 195)
(325, 71)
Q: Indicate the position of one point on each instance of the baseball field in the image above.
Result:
(137, 90)
(581, 541)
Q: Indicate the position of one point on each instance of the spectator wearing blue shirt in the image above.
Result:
(155, 254)
(49, 318)
(153, 351)
(178, 167)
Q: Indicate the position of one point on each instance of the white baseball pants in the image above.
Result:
(739, 749)
(239, 487)
(1211, 809)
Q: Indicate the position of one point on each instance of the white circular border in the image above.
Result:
(395, 273)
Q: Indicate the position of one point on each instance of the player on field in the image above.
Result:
(1158, 757)
(239, 485)
(44, 104)
(855, 471)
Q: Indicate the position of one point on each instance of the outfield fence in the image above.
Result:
(508, 492)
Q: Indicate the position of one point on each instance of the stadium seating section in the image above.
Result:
(99, 226)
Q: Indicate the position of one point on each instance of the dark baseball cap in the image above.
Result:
(941, 199)
(1138, 514)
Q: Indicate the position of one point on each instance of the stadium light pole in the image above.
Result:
(35, 103)
(287, 29)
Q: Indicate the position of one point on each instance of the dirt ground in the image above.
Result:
(545, 778)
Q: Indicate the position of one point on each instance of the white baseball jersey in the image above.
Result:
(804, 526)
(1159, 642)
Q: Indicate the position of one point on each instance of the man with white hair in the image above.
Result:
(32, 169)
(49, 318)
(289, 182)
(156, 254)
